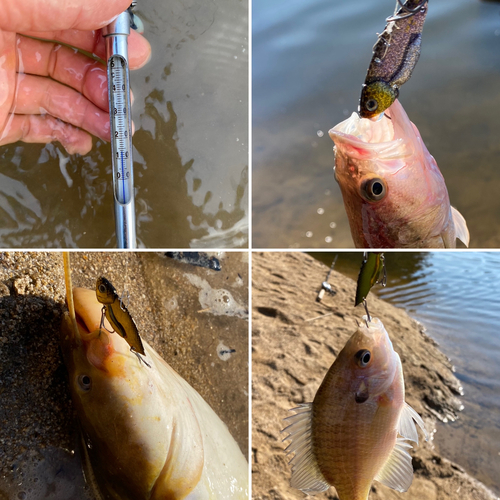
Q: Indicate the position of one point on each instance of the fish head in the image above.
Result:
(393, 191)
(93, 357)
(129, 412)
(368, 361)
(105, 291)
(376, 97)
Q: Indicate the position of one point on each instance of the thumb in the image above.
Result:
(54, 15)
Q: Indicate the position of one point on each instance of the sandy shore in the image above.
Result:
(290, 356)
(175, 307)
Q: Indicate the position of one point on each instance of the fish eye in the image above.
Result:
(84, 382)
(371, 105)
(373, 189)
(363, 357)
(102, 288)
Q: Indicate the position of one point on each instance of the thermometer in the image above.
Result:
(116, 34)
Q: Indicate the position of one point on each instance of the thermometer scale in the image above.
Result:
(116, 34)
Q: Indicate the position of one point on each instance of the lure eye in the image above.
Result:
(373, 189)
(102, 288)
(371, 105)
(363, 357)
(85, 382)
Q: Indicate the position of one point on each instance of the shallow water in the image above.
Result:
(309, 62)
(456, 297)
(190, 146)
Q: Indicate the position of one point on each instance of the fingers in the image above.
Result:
(38, 95)
(139, 50)
(66, 66)
(53, 15)
(44, 129)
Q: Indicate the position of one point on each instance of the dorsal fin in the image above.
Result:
(306, 475)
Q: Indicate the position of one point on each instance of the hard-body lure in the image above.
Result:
(117, 314)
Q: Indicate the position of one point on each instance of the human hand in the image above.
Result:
(50, 92)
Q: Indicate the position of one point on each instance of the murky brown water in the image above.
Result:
(190, 146)
(309, 61)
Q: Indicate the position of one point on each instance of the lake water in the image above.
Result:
(190, 146)
(309, 61)
(456, 296)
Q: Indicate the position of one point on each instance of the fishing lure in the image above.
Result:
(395, 55)
(117, 314)
(372, 268)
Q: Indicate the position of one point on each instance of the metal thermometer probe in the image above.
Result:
(116, 34)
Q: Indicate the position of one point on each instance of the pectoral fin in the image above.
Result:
(461, 231)
(306, 475)
(406, 424)
(397, 472)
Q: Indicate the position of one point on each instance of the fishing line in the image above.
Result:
(69, 296)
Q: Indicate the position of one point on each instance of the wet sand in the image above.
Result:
(290, 357)
(38, 431)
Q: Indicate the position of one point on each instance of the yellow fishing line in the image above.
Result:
(69, 296)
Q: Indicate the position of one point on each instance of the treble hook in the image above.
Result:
(103, 315)
(410, 12)
(383, 282)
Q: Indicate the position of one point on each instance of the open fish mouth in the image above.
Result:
(88, 312)
(386, 137)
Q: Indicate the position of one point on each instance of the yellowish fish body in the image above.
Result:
(148, 433)
(358, 427)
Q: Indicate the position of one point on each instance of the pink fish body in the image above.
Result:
(394, 193)
(358, 427)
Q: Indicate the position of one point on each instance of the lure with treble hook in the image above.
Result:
(117, 314)
(395, 55)
(372, 268)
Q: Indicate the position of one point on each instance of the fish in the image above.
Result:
(358, 427)
(117, 314)
(395, 56)
(146, 433)
(394, 193)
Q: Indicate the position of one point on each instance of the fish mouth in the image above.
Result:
(88, 311)
(387, 137)
(93, 342)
